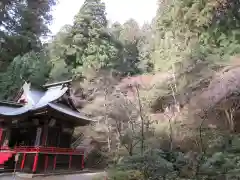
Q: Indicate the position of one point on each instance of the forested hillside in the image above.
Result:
(165, 93)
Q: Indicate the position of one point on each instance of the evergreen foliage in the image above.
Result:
(129, 37)
(92, 46)
(56, 50)
(22, 23)
(192, 42)
(32, 67)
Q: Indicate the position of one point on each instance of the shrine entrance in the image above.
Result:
(22, 137)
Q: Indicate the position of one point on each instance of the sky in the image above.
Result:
(117, 10)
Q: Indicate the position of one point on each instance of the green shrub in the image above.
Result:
(125, 175)
(152, 164)
(96, 160)
(157, 164)
(221, 164)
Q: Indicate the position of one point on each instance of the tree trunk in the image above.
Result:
(142, 121)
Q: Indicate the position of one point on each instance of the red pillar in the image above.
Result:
(23, 161)
(70, 162)
(45, 133)
(1, 133)
(46, 163)
(35, 163)
(54, 162)
(82, 161)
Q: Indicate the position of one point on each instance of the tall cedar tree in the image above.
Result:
(56, 49)
(145, 47)
(22, 23)
(92, 46)
(130, 36)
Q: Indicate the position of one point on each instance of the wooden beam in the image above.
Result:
(57, 83)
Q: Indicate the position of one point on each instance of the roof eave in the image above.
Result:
(57, 83)
(11, 103)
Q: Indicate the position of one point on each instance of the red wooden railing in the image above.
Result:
(46, 151)
(6, 148)
(51, 150)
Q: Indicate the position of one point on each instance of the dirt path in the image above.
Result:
(85, 176)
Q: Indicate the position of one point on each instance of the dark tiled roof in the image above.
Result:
(38, 100)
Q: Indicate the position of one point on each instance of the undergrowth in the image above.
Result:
(221, 160)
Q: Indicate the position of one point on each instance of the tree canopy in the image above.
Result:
(22, 54)
(22, 23)
(91, 44)
(31, 67)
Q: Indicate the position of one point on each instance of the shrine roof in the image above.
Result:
(39, 99)
(75, 115)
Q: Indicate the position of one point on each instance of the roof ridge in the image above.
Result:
(12, 103)
(57, 83)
